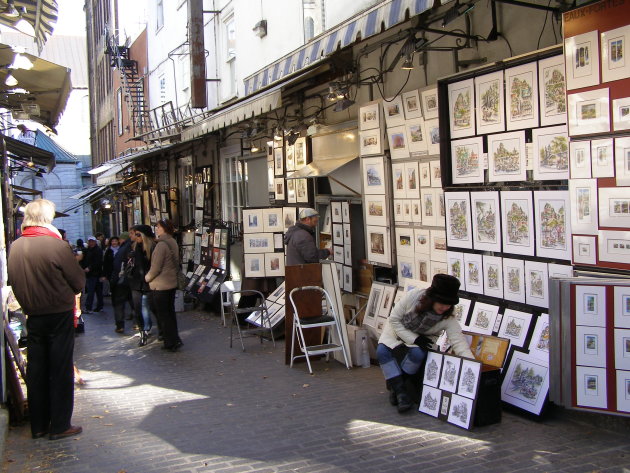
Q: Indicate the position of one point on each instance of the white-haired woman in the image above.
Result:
(45, 277)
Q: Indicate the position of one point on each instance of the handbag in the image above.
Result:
(182, 281)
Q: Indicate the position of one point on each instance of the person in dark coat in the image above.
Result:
(115, 256)
(92, 264)
(46, 278)
(140, 258)
(300, 240)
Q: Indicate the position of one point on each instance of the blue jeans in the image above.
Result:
(92, 285)
(142, 310)
(411, 363)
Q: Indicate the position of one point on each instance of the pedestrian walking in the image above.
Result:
(140, 259)
(46, 277)
(300, 240)
(162, 278)
(92, 264)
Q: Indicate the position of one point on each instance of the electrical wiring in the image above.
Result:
(543, 26)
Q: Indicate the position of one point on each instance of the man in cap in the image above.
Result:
(300, 240)
(92, 264)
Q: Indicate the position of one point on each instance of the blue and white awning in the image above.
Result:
(364, 25)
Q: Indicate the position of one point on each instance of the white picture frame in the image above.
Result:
(622, 306)
(583, 197)
(274, 265)
(278, 161)
(301, 190)
(449, 377)
(425, 174)
(432, 128)
(406, 205)
(436, 173)
(529, 394)
(430, 400)
(490, 103)
(621, 114)
(493, 276)
(581, 54)
(614, 207)
(551, 153)
(429, 207)
(300, 153)
(335, 211)
(483, 318)
(433, 369)
(536, 284)
(473, 273)
(514, 280)
(374, 175)
(416, 211)
(397, 137)
(515, 326)
(423, 269)
(378, 244)
(337, 254)
(467, 161)
(258, 243)
(622, 349)
(430, 103)
(337, 233)
(348, 280)
(590, 346)
(623, 390)
(406, 268)
(517, 215)
(438, 245)
(588, 112)
(613, 246)
(279, 190)
(370, 116)
(371, 308)
(622, 161)
(398, 210)
(440, 218)
(521, 105)
(461, 310)
(506, 157)
(371, 142)
(590, 305)
(387, 300)
(347, 254)
(345, 211)
(254, 265)
(422, 241)
(376, 210)
(602, 158)
(411, 104)
(580, 159)
(289, 217)
(584, 249)
(405, 241)
(399, 189)
(485, 219)
(539, 343)
(291, 193)
(460, 411)
(272, 220)
(455, 263)
(393, 111)
(591, 387)
(253, 220)
(417, 138)
(461, 106)
(469, 379)
(289, 151)
(552, 86)
(553, 224)
(458, 219)
(560, 270)
(614, 44)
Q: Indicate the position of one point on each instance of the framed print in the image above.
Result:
(614, 207)
(436, 173)
(588, 112)
(278, 161)
(337, 233)
(455, 263)
(274, 264)
(394, 112)
(614, 46)
(279, 188)
(450, 373)
(584, 249)
(289, 152)
(404, 241)
(387, 300)
(255, 265)
(425, 174)
(492, 276)
(551, 153)
(623, 391)
(560, 270)
(602, 158)
(406, 268)
(378, 244)
(347, 255)
(590, 305)
(417, 139)
(483, 318)
(430, 103)
(590, 387)
(345, 211)
(467, 161)
(461, 106)
(430, 400)
(433, 131)
(423, 268)
(460, 312)
(514, 326)
(460, 412)
(428, 207)
(291, 194)
(469, 379)
(272, 220)
(224, 238)
(485, 220)
(580, 159)
(539, 343)
(406, 205)
(622, 349)
(398, 142)
(278, 241)
(335, 207)
(326, 226)
(300, 153)
(258, 243)
(371, 309)
(621, 114)
(506, 157)
(398, 180)
(438, 267)
(622, 161)
(370, 116)
(338, 256)
(473, 273)
(411, 104)
(441, 208)
(622, 306)
(581, 56)
(490, 103)
(458, 224)
(518, 222)
(301, 190)
(376, 210)
(536, 284)
(433, 369)
(371, 142)
(347, 279)
(253, 220)
(526, 383)
(514, 280)
(289, 217)
(553, 224)
(398, 210)
(416, 211)
(438, 245)
(614, 246)
(552, 84)
(422, 241)
(521, 90)
(373, 175)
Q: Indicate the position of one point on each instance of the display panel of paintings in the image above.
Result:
(614, 246)
(427, 198)
(591, 387)
(551, 153)
(483, 318)
(417, 138)
(473, 272)
(370, 116)
(458, 219)
(461, 102)
(433, 131)
(514, 326)
(258, 243)
(378, 244)
(521, 86)
(373, 175)
(581, 54)
(506, 157)
(552, 84)
(602, 158)
(493, 276)
(539, 343)
(614, 50)
(485, 221)
(621, 114)
(580, 159)
(526, 383)
(518, 222)
(430, 103)
(614, 207)
(553, 224)
(588, 112)
(584, 249)
(398, 142)
(467, 161)
(253, 220)
(514, 280)
(583, 196)
(394, 111)
(536, 284)
(272, 220)
(371, 142)
(490, 103)
(622, 161)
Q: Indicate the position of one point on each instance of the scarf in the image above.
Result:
(44, 230)
(420, 323)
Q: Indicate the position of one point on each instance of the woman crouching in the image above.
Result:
(412, 328)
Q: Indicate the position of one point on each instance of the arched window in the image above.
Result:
(33, 182)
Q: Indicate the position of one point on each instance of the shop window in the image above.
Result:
(232, 190)
(229, 34)
(186, 189)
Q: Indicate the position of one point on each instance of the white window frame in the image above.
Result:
(159, 15)
(232, 179)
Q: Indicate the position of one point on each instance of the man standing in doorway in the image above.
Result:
(92, 264)
(300, 240)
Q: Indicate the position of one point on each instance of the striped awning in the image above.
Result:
(364, 25)
(40, 14)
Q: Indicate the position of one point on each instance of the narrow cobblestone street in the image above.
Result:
(210, 408)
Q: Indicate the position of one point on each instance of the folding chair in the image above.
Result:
(227, 288)
(260, 308)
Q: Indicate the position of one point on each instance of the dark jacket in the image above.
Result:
(108, 261)
(121, 257)
(44, 274)
(141, 267)
(93, 259)
(301, 248)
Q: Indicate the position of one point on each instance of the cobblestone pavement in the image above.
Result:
(210, 408)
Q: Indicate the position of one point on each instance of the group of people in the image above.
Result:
(47, 275)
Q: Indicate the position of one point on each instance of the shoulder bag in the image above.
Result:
(181, 277)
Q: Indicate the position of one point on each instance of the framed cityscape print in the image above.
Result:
(425, 174)
(405, 241)
(588, 112)
(291, 194)
(536, 283)
(514, 326)
(450, 373)
(490, 104)
(279, 188)
(406, 269)
(258, 243)
(345, 211)
(461, 105)
(338, 255)
(458, 219)
(289, 217)
(614, 46)
(551, 153)
(460, 312)
(430, 400)
(417, 139)
(337, 233)
(591, 387)
(441, 212)
(590, 305)
(433, 368)
(430, 103)
(560, 270)
(253, 220)
(376, 210)
(394, 112)
(613, 246)
(552, 84)
(289, 151)
(423, 268)
(300, 153)
(485, 220)
(622, 306)
(526, 383)
(467, 161)
(387, 300)
(483, 318)
(272, 220)
(278, 161)
(584, 249)
(422, 240)
(514, 280)
(621, 114)
(455, 263)
(539, 343)
(398, 142)
(602, 159)
(411, 104)
(254, 265)
(622, 161)
(438, 245)
(373, 175)
(622, 349)
(436, 173)
(623, 391)
(398, 180)
(518, 222)
(581, 56)
(301, 190)
(583, 196)
(590, 346)
(506, 157)
(614, 207)
(347, 255)
(370, 116)
(433, 131)
(274, 265)
(469, 378)
(378, 245)
(461, 411)
(371, 309)
(521, 88)
(412, 180)
(371, 142)
(398, 210)
(553, 224)
(429, 207)
(416, 211)
(493, 276)
(580, 159)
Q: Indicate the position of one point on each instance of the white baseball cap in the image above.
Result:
(308, 212)
(92, 238)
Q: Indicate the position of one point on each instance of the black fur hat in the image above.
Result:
(444, 289)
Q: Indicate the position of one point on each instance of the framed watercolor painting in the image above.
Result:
(467, 161)
(622, 306)
(398, 142)
(461, 106)
(416, 211)
(253, 220)
(455, 263)
(490, 103)
(370, 116)
(506, 157)
(278, 161)
(623, 391)
(373, 175)
(584, 249)
(614, 207)
(517, 214)
(602, 160)
(425, 174)
(378, 244)
(436, 173)
(371, 142)
(430, 103)
(258, 243)
(583, 196)
(493, 276)
(291, 194)
(485, 220)
(398, 180)
(274, 264)
(580, 159)
(289, 217)
(433, 131)
(590, 305)
(539, 343)
(473, 272)
(412, 180)
(289, 152)
(551, 153)
(345, 211)
(553, 224)
(300, 153)
(438, 245)
(590, 346)
(622, 161)
(614, 51)
(411, 104)
(254, 265)
(581, 56)
(441, 213)
(272, 220)
(521, 90)
(405, 241)
(536, 284)
(429, 206)
(376, 210)
(514, 280)
(417, 139)
(279, 188)
(621, 114)
(526, 383)
(552, 86)
(588, 112)
(483, 318)
(591, 387)
(394, 112)
(458, 219)
(422, 241)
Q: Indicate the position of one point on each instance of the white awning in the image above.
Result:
(110, 176)
(85, 194)
(100, 169)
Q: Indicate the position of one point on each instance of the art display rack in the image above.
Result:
(206, 277)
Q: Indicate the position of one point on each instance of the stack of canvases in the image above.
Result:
(513, 240)
(263, 240)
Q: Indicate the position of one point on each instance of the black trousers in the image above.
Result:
(163, 303)
(49, 372)
(121, 295)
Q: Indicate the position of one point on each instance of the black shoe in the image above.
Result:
(178, 344)
(393, 400)
(39, 435)
(404, 403)
(68, 433)
(143, 339)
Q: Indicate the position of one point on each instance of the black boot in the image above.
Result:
(392, 395)
(402, 398)
(143, 338)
